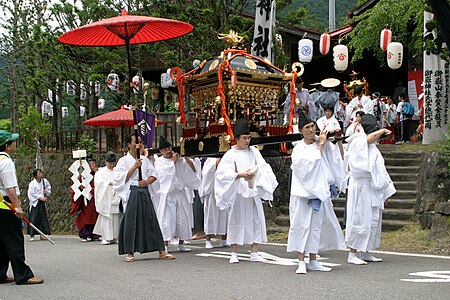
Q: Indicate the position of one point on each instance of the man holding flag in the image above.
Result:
(12, 248)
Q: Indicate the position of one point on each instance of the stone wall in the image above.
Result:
(432, 208)
(433, 201)
(55, 167)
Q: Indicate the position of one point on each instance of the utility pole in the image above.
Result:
(331, 15)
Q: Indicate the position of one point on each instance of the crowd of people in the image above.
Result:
(145, 202)
(155, 195)
(330, 110)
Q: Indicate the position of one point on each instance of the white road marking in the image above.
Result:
(432, 276)
(271, 259)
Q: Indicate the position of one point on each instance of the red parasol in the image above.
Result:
(117, 31)
(116, 118)
(126, 30)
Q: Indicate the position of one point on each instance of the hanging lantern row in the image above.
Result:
(47, 110)
(341, 54)
(394, 50)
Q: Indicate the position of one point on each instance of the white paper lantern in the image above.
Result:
(340, 57)
(82, 111)
(325, 41)
(70, 88)
(49, 95)
(101, 103)
(112, 81)
(138, 84)
(166, 80)
(83, 93)
(305, 50)
(46, 108)
(97, 88)
(394, 55)
(279, 39)
(385, 38)
(65, 111)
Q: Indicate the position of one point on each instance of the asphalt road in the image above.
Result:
(75, 270)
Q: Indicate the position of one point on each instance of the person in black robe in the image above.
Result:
(38, 191)
(139, 228)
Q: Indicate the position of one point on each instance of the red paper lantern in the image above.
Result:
(325, 40)
(385, 38)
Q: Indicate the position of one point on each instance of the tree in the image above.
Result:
(405, 22)
(32, 127)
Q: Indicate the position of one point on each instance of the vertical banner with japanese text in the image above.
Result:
(146, 126)
(264, 22)
(436, 86)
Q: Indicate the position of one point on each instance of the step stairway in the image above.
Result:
(403, 168)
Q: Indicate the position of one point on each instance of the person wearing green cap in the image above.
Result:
(12, 249)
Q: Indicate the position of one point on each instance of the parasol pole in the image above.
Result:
(136, 135)
(11, 207)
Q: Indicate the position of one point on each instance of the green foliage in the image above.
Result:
(5, 124)
(444, 148)
(31, 128)
(87, 143)
(316, 17)
(405, 22)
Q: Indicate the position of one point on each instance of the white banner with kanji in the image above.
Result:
(264, 22)
(436, 79)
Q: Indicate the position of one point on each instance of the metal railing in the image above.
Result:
(110, 138)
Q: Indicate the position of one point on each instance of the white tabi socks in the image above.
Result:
(234, 258)
(255, 257)
(355, 260)
(208, 245)
(301, 267)
(365, 256)
(314, 265)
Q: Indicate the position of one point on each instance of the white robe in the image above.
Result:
(369, 186)
(366, 107)
(106, 204)
(122, 187)
(312, 174)
(246, 221)
(215, 219)
(175, 213)
(36, 191)
(330, 124)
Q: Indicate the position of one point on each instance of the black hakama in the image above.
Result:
(38, 216)
(139, 229)
(198, 212)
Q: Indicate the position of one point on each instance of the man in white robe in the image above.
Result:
(359, 103)
(139, 228)
(303, 102)
(38, 191)
(369, 188)
(215, 219)
(106, 202)
(328, 122)
(243, 179)
(175, 207)
(314, 226)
